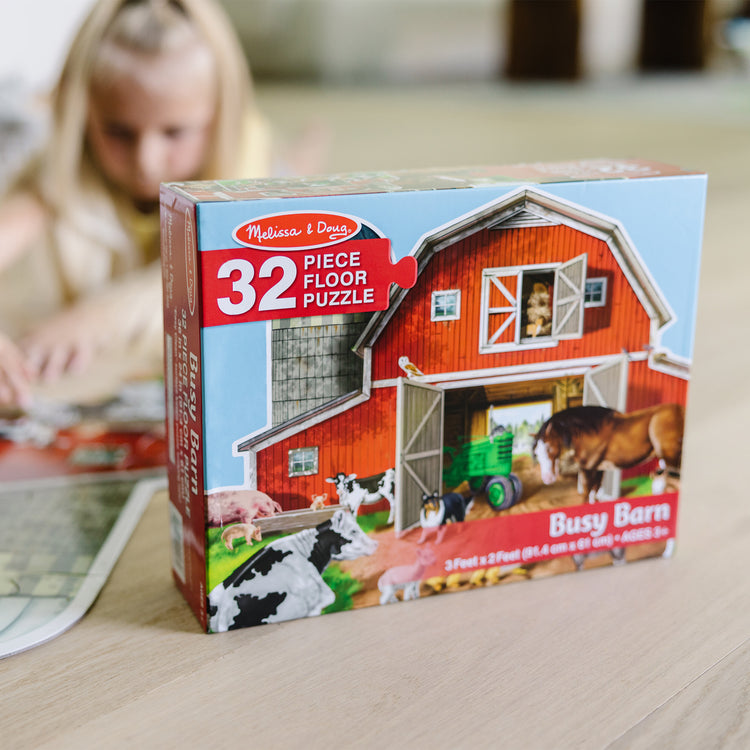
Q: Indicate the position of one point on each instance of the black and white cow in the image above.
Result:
(354, 492)
(283, 581)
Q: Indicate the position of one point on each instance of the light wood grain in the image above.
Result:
(716, 701)
(651, 654)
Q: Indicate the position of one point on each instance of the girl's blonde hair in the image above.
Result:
(151, 27)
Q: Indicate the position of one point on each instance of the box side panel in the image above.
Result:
(183, 385)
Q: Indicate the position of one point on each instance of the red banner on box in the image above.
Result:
(525, 538)
(245, 284)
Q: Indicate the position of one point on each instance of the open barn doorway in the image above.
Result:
(492, 410)
(476, 410)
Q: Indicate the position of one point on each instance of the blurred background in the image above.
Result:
(397, 41)
(388, 84)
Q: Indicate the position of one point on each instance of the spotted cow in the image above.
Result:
(283, 581)
(354, 492)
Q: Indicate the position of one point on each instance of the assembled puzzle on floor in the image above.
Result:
(74, 481)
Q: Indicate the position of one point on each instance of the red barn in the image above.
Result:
(530, 299)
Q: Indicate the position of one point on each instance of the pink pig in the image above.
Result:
(405, 577)
(319, 501)
(239, 507)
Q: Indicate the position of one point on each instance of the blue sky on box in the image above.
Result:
(662, 216)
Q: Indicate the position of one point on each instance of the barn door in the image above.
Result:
(607, 385)
(567, 305)
(419, 449)
(499, 321)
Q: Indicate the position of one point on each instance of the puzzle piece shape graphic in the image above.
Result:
(246, 284)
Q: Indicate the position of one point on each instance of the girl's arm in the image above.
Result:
(22, 220)
(127, 313)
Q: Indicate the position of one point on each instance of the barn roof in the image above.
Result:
(529, 206)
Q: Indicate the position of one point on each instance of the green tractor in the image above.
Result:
(485, 464)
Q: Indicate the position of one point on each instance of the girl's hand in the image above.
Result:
(15, 375)
(63, 344)
(121, 315)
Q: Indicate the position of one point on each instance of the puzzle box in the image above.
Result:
(382, 387)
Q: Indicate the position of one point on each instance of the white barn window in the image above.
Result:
(446, 305)
(303, 462)
(534, 306)
(596, 292)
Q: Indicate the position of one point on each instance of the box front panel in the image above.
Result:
(553, 323)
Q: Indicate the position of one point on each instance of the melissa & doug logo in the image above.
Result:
(297, 230)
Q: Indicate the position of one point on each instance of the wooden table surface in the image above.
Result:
(652, 654)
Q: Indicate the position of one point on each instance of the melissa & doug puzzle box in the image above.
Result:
(382, 387)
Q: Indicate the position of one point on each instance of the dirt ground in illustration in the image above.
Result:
(536, 497)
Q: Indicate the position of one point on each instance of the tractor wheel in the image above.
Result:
(477, 484)
(517, 488)
(500, 493)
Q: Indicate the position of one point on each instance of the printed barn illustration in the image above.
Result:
(531, 301)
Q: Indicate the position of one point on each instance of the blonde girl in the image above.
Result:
(151, 91)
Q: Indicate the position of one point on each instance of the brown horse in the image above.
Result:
(606, 439)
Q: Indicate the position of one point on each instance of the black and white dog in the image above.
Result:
(283, 581)
(437, 510)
